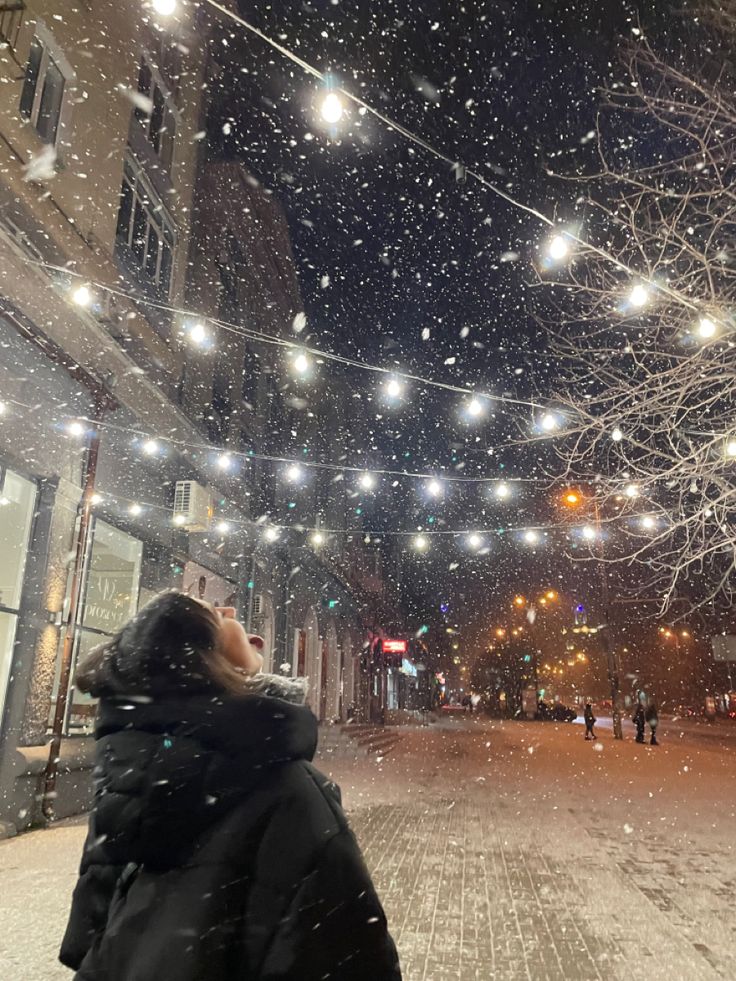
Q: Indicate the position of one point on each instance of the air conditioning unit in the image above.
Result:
(258, 604)
(192, 506)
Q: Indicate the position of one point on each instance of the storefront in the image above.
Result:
(17, 504)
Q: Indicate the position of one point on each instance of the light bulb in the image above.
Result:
(617, 435)
(224, 461)
(706, 328)
(82, 296)
(197, 334)
(475, 541)
(639, 295)
(301, 364)
(222, 528)
(420, 543)
(271, 534)
(731, 447)
(332, 109)
(475, 408)
(96, 499)
(531, 537)
(393, 388)
(294, 473)
(502, 491)
(558, 248)
(549, 422)
(318, 539)
(434, 488)
(75, 428)
(3, 408)
(648, 523)
(134, 510)
(165, 8)
(180, 519)
(367, 481)
(150, 447)
(588, 533)
(631, 491)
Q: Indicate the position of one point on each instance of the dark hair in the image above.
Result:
(170, 645)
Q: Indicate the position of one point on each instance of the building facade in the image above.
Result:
(125, 436)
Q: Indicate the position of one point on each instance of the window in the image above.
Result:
(17, 501)
(145, 232)
(11, 17)
(47, 77)
(160, 125)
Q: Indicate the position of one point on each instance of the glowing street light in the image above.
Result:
(648, 523)
(301, 364)
(474, 408)
(434, 488)
(519, 600)
(318, 539)
(224, 461)
(367, 481)
(572, 498)
(294, 473)
(551, 595)
(421, 544)
(588, 533)
(135, 510)
(271, 534)
(198, 334)
(474, 541)
(631, 491)
(503, 491)
(150, 447)
(531, 537)
(549, 422)
(332, 108)
(75, 428)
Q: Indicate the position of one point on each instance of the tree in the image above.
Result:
(643, 332)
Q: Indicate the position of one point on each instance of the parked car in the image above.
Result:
(555, 713)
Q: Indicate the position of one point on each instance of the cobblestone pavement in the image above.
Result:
(510, 851)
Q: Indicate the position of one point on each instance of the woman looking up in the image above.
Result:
(215, 849)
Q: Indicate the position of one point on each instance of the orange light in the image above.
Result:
(542, 600)
(500, 632)
(519, 600)
(551, 595)
(571, 498)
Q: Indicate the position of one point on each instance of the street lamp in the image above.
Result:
(558, 248)
(332, 108)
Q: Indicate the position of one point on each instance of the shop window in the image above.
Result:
(45, 87)
(17, 502)
(111, 595)
(145, 233)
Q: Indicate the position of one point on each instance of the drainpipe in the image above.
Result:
(81, 555)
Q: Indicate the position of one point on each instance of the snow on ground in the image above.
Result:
(501, 850)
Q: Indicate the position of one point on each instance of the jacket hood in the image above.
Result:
(167, 769)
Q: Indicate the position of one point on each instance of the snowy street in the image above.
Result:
(500, 850)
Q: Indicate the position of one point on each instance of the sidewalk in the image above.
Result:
(510, 851)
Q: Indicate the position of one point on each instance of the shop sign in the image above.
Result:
(112, 581)
(395, 646)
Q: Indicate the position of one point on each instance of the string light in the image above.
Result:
(301, 364)
(318, 539)
(707, 328)
(222, 528)
(135, 510)
(151, 447)
(271, 534)
(75, 428)
(731, 447)
(474, 541)
(549, 422)
(502, 491)
(180, 520)
(198, 334)
(95, 499)
(82, 296)
(165, 8)
(631, 491)
(224, 461)
(421, 544)
(394, 388)
(531, 537)
(648, 523)
(367, 481)
(434, 488)
(588, 533)
(332, 108)
(558, 248)
(294, 473)
(617, 435)
(639, 295)
(3, 408)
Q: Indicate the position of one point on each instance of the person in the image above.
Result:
(653, 720)
(466, 704)
(590, 721)
(215, 850)
(639, 722)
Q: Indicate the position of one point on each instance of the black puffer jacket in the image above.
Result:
(216, 851)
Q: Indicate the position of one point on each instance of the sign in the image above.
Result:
(112, 579)
(724, 648)
(395, 646)
(408, 668)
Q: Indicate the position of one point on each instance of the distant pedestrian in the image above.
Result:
(466, 703)
(590, 721)
(640, 722)
(653, 720)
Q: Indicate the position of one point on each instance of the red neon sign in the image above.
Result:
(395, 646)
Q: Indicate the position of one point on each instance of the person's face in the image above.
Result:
(241, 649)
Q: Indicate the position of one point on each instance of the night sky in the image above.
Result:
(401, 264)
